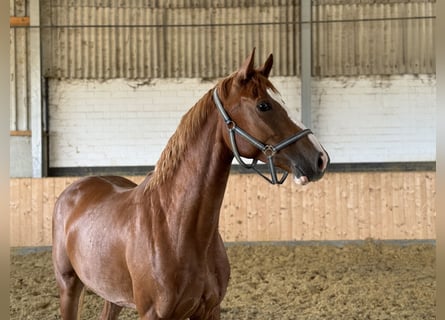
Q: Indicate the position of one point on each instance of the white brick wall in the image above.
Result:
(126, 123)
(376, 119)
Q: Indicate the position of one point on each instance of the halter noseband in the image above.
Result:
(268, 150)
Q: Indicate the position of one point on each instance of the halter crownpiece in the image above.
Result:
(268, 150)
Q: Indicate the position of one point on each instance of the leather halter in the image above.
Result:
(268, 150)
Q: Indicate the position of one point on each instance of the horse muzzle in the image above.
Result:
(315, 169)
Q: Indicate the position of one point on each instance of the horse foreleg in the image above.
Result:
(70, 289)
(110, 311)
(215, 314)
(70, 286)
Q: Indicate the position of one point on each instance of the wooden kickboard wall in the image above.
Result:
(341, 206)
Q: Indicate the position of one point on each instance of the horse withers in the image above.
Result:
(156, 246)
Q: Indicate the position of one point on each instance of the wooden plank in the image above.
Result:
(315, 211)
(409, 204)
(37, 212)
(394, 191)
(400, 200)
(284, 201)
(425, 196)
(240, 221)
(271, 212)
(342, 210)
(353, 204)
(384, 207)
(24, 213)
(319, 193)
(426, 186)
(20, 133)
(252, 208)
(261, 198)
(374, 195)
(14, 203)
(365, 204)
(59, 186)
(19, 21)
(417, 207)
(327, 207)
(307, 212)
(49, 199)
(230, 218)
(330, 207)
(421, 204)
(430, 212)
(362, 210)
(350, 227)
(381, 213)
(298, 212)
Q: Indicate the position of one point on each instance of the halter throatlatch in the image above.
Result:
(268, 150)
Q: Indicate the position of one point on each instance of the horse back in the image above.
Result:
(88, 192)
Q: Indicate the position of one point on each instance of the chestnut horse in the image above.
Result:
(156, 246)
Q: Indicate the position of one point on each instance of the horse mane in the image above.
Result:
(190, 124)
(187, 130)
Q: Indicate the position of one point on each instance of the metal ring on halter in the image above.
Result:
(231, 125)
(269, 151)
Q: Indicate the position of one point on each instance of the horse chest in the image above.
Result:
(180, 291)
(197, 294)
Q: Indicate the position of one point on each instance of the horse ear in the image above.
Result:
(246, 71)
(265, 69)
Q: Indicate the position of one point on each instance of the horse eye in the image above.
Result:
(264, 106)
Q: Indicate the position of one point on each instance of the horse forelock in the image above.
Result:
(252, 87)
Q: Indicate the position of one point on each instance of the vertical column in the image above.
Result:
(35, 92)
(306, 63)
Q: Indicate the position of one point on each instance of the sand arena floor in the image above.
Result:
(370, 280)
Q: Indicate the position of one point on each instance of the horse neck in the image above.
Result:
(192, 194)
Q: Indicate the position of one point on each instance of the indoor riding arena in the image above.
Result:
(337, 217)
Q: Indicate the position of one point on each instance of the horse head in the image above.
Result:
(259, 127)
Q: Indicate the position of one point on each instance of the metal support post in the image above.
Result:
(306, 64)
(35, 89)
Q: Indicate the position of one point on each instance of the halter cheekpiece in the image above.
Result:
(268, 150)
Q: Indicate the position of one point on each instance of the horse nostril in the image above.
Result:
(321, 162)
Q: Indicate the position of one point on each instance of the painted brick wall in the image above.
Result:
(376, 119)
(125, 123)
